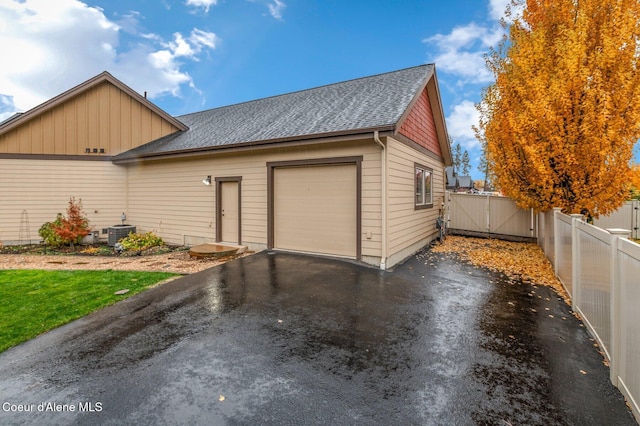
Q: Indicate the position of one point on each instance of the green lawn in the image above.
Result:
(34, 301)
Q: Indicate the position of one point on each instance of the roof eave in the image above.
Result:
(293, 140)
(414, 99)
(438, 112)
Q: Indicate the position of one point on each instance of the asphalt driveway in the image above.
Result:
(292, 339)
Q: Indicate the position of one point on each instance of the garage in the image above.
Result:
(315, 206)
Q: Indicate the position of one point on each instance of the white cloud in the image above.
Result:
(205, 4)
(461, 52)
(466, 36)
(459, 122)
(40, 45)
(129, 22)
(201, 39)
(497, 8)
(181, 47)
(460, 56)
(276, 8)
(49, 47)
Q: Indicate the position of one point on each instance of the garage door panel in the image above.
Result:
(315, 209)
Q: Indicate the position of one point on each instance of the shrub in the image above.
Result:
(48, 233)
(137, 242)
(66, 230)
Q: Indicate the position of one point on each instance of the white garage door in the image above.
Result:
(315, 209)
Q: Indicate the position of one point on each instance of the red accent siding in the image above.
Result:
(420, 126)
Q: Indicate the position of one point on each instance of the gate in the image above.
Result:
(467, 212)
(491, 216)
(626, 217)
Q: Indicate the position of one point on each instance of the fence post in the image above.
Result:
(532, 229)
(556, 242)
(448, 210)
(550, 235)
(614, 351)
(488, 214)
(541, 231)
(635, 212)
(575, 261)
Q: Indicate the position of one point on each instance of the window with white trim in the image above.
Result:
(423, 187)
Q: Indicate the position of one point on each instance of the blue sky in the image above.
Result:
(190, 55)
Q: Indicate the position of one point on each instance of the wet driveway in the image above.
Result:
(292, 339)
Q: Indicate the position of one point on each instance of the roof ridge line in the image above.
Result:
(305, 90)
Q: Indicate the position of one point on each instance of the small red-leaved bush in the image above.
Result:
(69, 229)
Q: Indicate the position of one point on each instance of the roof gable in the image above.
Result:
(419, 125)
(434, 112)
(101, 116)
(347, 108)
(103, 77)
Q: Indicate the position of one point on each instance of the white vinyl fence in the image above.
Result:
(600, 269)
(626, 217)
(563, 253)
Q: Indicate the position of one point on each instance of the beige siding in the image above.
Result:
(408, 227)
(372, 203)
(102, 117)
(168, 196)
(42, 188)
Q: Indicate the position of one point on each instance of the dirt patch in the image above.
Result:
(177, 262)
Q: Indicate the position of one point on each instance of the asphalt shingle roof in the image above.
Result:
(464, 182)
(368, 103)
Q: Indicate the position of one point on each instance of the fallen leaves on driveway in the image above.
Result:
(522, 261)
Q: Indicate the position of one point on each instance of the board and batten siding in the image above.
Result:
(42, 188)
(168, 196)
(420, 126)
(103, 117)
(409, 229)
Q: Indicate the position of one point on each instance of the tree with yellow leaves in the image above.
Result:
(560, 122)
(635, 182)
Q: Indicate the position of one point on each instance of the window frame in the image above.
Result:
(426, 180)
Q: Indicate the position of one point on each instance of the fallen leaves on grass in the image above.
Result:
(521, 261)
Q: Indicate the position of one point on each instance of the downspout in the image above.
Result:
(383, 198)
